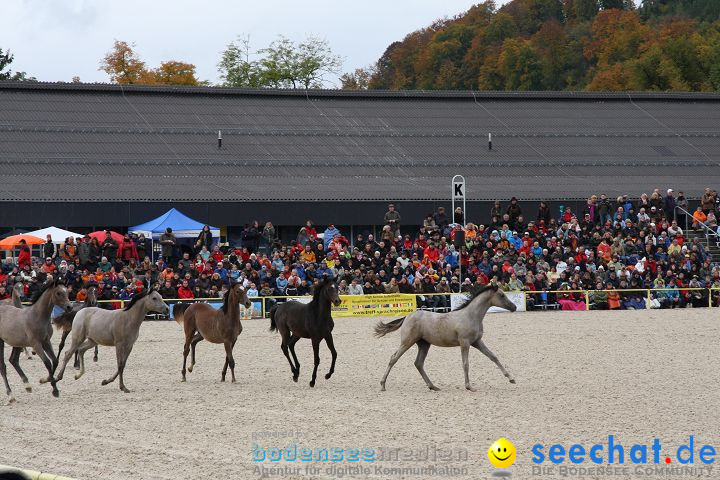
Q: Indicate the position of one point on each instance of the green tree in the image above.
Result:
(6, 74)
(236, 67)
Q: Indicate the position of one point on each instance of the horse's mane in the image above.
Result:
(476, 293)
(226, 298)
(137, 298)
(44, 288)
(318, 289)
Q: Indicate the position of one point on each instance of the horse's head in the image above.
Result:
(154, 303)
(60, 297)
(329, 292)
(240, 295)
(499, 299)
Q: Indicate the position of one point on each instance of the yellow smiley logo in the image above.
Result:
(502, 453)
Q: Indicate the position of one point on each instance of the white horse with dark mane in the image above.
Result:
(119, 328)
(462, 327)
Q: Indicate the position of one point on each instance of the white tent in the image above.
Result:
(58, 234)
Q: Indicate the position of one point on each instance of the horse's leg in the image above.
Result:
(86, 345)
(464, 352)
(95, 355)
(291, 345)
(40, 351)
(196, 339)
(423, 348)
(3, 372)
(15, 362)
(27, 353)
(186, 350)
(229, 360)
(64, 336)
(47, 348)
(484, 349)
(316, 359)
(285, 350)
(331, 346)
(74, 345)
(395, 357)
(122, 355)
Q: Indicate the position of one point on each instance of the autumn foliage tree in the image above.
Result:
(561, 45)
(124, 66)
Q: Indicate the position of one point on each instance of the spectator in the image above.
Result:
(49, 248)
(109, 247)
(392, 218)
(204, 239)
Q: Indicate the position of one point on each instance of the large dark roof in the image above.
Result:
(103, 142)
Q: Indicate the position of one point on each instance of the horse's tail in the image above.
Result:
(64, 322)
(382, 329)
(273, 325)
(179, 312)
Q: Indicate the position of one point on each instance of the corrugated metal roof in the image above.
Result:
(102, 142)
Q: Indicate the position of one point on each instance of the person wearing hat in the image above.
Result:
(168, 242)
(392, 218)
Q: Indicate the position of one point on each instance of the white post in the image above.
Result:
(457, 192)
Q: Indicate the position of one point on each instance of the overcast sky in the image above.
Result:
(54, 40)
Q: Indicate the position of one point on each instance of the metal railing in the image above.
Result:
(550, 300)
(709, 232)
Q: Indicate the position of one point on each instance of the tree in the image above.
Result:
(122, 64)
(283, 64)
(356, 80)
(125, 67)
(5, 60)
(235, 67)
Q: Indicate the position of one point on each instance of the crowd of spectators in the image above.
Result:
(611, 247)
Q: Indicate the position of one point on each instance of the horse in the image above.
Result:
(18, 290)
(295, 320)
(119, 328)
(64, 322)
(203, 322)
(462, 327)
(30, 327)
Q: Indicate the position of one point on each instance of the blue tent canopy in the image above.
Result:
(182, 226)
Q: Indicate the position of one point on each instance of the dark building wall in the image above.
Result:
(122, 215)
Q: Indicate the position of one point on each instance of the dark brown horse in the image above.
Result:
(64, 322)
(295, 320)
(203, 322)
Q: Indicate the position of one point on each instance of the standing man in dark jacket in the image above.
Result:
(84, 251)
(604, 209)
(168, 242)
(392, 218)
(109, 248)
(669, 207)
(49, 248)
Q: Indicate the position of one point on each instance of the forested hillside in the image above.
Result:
(559, 45)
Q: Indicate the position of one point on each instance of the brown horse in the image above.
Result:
(203, 322)
(64, 322)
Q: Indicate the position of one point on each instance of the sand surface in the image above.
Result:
(581, 376)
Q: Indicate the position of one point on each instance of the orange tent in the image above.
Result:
(11, 242)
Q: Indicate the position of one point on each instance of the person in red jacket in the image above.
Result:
(24, 258)
(185, 292)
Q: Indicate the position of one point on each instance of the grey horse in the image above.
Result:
(30, 327)
(18, 290)
(462, 327)
(119, 328)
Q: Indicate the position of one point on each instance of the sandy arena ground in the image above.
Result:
(581, 376)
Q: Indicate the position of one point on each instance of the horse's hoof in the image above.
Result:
(312, 384)
(327, 376)
(125, 390)
(11, 400)
(295, 378)
(43, 380)
(190, 368)
(28, 388)
(183, 380)
(467, 387)
(512, 380)
(77, 377)
(233, 381)
(56, 393)
(95, 359)
(104, 382)
(434, 388)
